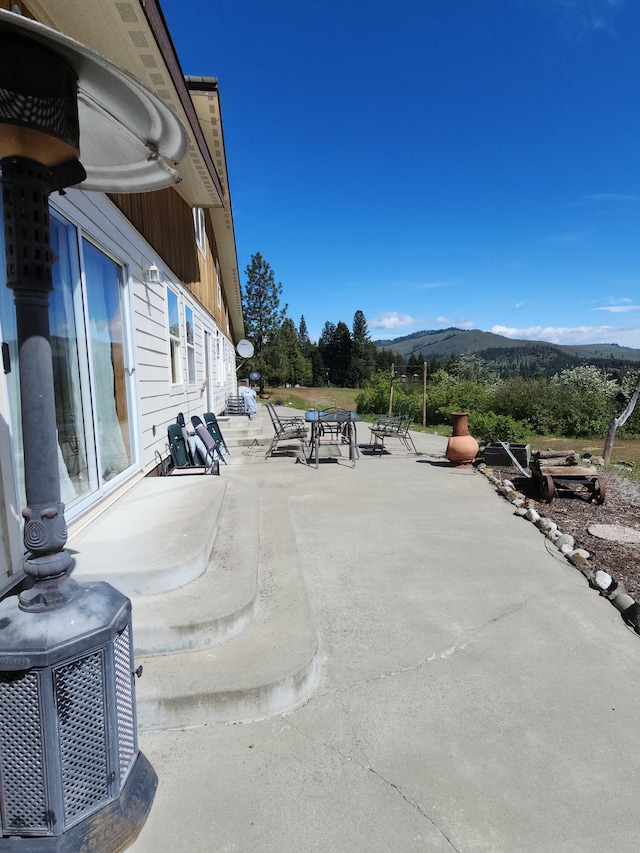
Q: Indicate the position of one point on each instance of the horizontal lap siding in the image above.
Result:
(158, 402)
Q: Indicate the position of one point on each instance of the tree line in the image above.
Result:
(578, 400)
(284, 353)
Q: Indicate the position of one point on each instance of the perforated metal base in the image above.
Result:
(112, 829)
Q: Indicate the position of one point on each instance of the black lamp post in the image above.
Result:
(71, 775)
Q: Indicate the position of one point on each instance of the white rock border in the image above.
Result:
(602, 581)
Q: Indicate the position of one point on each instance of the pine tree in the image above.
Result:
(363, 353)
(303, 336)
(263, 316)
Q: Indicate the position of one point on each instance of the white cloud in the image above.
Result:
(519, 305)
(466, 324)
(612, 197)
(392, 320)
(573, 334)
(618, 309)
(431, 284)
(442, 320)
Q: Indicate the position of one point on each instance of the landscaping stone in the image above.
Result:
(603, 580)
(565, 540)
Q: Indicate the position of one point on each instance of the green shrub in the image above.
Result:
(487, 427)
(448, 394)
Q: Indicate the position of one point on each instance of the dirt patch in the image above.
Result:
(574, 514)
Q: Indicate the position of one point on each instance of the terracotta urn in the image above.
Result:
(462, 446)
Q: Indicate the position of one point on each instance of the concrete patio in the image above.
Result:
(378, 658)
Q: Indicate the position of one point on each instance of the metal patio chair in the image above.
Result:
(391, 427)
(286, 430)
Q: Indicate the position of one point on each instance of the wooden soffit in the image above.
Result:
(134, 35)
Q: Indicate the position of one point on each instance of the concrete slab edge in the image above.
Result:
(99, 562)
(270, 669)
(247, 704)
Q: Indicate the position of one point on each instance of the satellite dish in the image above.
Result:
(244, 348)
(254, 376)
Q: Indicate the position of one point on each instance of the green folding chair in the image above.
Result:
(211, 423)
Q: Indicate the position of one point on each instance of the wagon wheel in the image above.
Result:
(547, 488)
(599, 490)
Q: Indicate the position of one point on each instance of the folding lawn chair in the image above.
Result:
(211, 423)
(190, 453)
(178, 446)
(213, 447)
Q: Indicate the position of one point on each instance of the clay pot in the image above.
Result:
(462, 446)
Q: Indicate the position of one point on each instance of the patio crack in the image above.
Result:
(436, 656)
(414, 805)
(370, 769)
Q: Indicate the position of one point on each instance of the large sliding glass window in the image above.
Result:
(91, 381)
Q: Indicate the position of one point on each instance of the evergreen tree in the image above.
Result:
(343, 352)
(263, 316)
(290, 367)
(326, 347)
(363, 353)
(303, 336)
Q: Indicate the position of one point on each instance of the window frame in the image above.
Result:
(219, 284)
(190, 344)
(200, 228)
(175, 340)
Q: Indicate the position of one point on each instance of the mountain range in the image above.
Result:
(509, 356)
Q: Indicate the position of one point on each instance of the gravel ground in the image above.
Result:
(574, 513)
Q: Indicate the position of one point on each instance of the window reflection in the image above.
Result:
(106, 343)
(74, 472)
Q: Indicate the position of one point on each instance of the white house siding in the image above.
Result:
(158, 402)
(154, 402)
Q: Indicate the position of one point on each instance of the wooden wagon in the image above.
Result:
(553, 475)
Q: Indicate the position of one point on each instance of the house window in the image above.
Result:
(191, 348)
(108, 361)
(173, 309)
(92, 368)
(219, 283)
(219, 360)
(198, 220)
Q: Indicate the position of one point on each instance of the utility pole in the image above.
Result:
(424, 394)
(393, 371)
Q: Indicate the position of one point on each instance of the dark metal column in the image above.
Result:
(71, 775)
(25, 186)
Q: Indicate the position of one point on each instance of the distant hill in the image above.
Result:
(510, 356)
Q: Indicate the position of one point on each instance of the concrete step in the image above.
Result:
(155, 539)
(221, 603)
(240, 431)
(271, 667)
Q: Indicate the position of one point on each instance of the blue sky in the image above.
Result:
(433, 163)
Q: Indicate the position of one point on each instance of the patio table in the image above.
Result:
(344, 420)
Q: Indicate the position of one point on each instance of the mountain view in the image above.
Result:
(508, 356)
